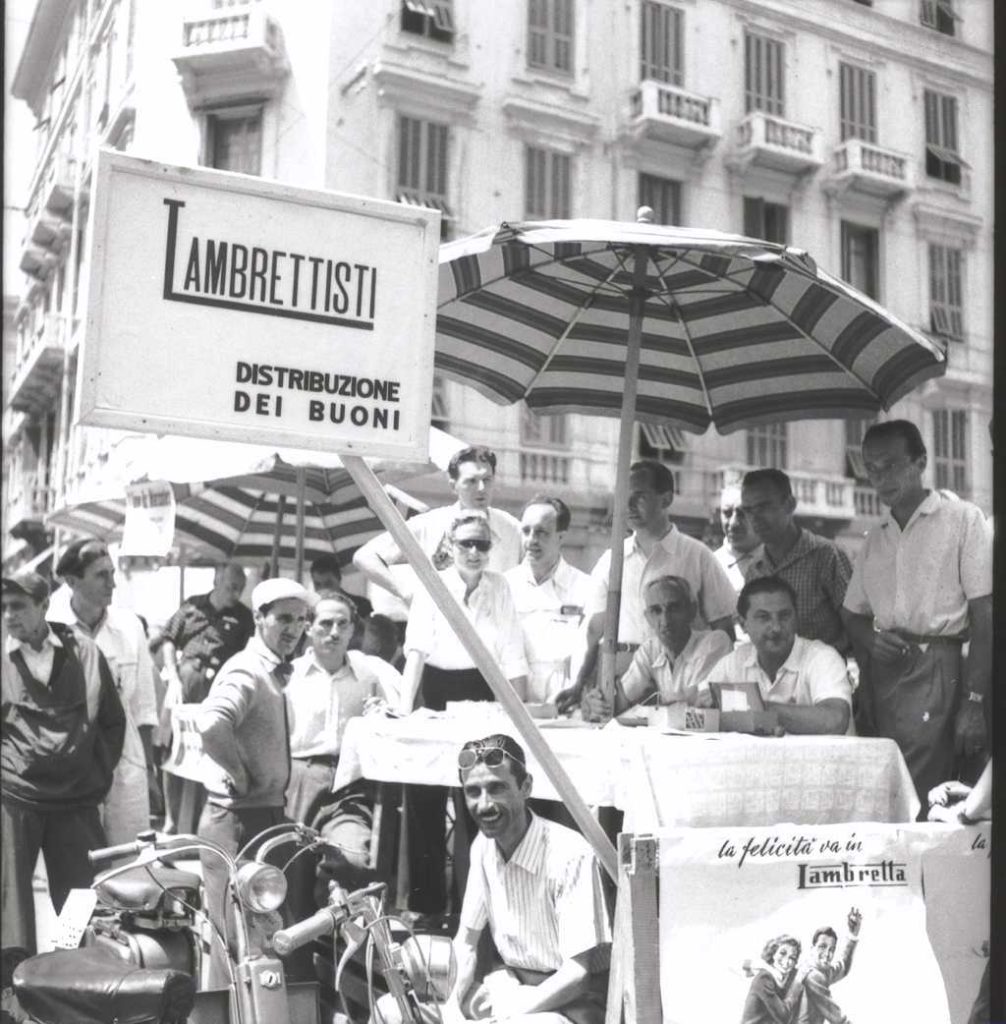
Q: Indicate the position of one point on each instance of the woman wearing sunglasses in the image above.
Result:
(438, 669)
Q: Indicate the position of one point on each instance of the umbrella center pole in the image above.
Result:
(637, 304)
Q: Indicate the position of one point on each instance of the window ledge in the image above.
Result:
(554, 127)
(533, 77)
(408, 88)
(454, 53)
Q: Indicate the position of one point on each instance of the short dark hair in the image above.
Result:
(79, 555)
(763, 585)
(336, 595)
(889, 429)
(678, 583)
(327, 563)
(774, 478)
(476, 453)
(826, 930)
(780, 940)
(660, 475)
(562, 513)
(515, 752)
(380, 636)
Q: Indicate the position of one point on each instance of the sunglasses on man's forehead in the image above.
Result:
(474, 544)
(491, 757)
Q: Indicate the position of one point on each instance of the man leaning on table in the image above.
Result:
(922, 587)
(536, 886)
(805, 681)
(657, 547)
(674, 663)
(550, 597)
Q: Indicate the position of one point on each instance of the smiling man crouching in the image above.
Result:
(537, 887)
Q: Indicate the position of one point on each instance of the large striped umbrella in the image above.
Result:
(245, 502)
(678, 325)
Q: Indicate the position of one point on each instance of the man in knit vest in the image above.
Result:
(63, 729)
(243, 724)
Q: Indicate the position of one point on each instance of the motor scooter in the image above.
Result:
(149, 940)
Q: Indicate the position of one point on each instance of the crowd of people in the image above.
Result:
(87, 705)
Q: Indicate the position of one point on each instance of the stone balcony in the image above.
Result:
(54, 191)
(668, 113)
(870, 169)
(38, 367)
(27, 505)
(230, 52)
(764, 140)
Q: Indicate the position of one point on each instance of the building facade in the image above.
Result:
(859, 132)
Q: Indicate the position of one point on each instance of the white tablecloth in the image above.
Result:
(658, 780)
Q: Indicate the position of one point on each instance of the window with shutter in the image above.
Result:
(857, 103)
(547, 181)
(764, 73)
(662, 43)
(943, 161)
(433, 19)
(663, 196)
(946, 300)
(550, 35)
(950, 450)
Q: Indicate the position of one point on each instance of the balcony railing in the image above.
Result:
(867, 503)
(27, 502)
(38, 366)
(769, 141)
(672, 114)
(868, 168)
(230, 52)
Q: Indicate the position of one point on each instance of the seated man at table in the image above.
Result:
(537, 887)
(805, 681)
(672, 664)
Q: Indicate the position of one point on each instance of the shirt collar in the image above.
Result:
(530, 852)
(666, 658)
(257, 647)
(555, 574)
(50, 638)
(929, 504)
(668, 539)
(791, 664)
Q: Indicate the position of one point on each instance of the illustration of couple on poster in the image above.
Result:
(786, 990)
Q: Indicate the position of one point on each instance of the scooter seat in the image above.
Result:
(142, 888)
(93, 986)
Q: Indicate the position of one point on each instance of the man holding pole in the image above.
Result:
(655, 548)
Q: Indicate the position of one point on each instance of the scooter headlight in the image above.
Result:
(261, 887)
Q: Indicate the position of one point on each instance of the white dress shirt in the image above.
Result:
(490, 610)
(551, 613)
(320, 703)
(674, 678)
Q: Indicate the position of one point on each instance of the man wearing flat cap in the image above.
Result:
(63, 727)
(243, 726)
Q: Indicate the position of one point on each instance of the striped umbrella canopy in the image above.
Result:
(733, 331)
(243, 502)
(683, 326)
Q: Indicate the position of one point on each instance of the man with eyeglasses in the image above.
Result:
(536, 885)
(471, 474)
(816, 568)
(672, 665)
(439, 670)
(922, 588)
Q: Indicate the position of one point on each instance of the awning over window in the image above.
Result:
(441, 11)
(662, 435)
(946, 155)
(427, 201)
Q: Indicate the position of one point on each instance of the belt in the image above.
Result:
(921, 638)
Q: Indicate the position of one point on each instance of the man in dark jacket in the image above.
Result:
(63, 728)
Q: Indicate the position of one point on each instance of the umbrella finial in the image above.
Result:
(645, 215)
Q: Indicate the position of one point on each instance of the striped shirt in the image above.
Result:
(544, 905)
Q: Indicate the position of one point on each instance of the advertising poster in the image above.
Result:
(149, 526)
(792, 924)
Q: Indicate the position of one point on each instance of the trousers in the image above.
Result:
(63, 836)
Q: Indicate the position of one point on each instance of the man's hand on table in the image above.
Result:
(595, 706)
(569, 699)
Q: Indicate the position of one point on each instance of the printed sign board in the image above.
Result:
(225, 306)
(149, 527)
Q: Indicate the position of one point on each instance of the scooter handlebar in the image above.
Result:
(323, 922)
(111, 852)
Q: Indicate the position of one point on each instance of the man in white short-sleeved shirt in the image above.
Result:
(921, 588)
(550, 596)
(470, 473)
(805, 681)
